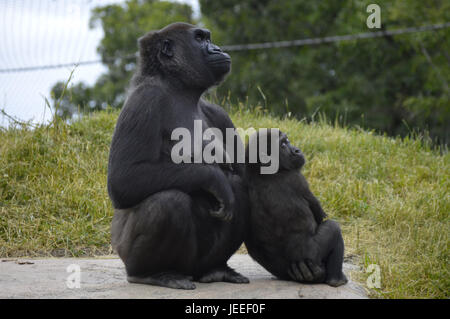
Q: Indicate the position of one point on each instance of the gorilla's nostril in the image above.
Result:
(212, 48)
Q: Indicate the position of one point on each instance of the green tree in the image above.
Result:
(122, 24)
(391, 84)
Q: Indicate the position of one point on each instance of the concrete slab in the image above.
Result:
(105, 278)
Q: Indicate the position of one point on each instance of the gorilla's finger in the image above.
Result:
(227, 216)
(298, 274)
(305, 271)
(222, 214)
(318, 272)
(291, 274)
(219, 213)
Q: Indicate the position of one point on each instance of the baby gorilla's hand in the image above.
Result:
(307, 271)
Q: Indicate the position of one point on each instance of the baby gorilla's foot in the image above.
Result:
(338, 281)
(306, 271)
(225, 274)
(170, 280)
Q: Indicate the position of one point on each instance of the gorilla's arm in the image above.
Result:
(220, 119)
(150, 178)
(136, 166)
(316, 208)
(302, 187)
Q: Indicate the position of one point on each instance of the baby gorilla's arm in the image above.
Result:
(316, 208)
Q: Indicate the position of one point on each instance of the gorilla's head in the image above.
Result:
(185, 52)
(291, 157)
(287, 156)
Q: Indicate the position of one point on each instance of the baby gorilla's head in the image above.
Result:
(291, 157)
(270, 148)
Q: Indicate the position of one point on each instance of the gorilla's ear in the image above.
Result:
(152, 44)
(167, 48)
(149, 52)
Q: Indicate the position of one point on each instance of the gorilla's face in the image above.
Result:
(218, 62)
(286, 156)
(185, 52)
(291, 157)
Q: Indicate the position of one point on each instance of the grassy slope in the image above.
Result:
(391, 196)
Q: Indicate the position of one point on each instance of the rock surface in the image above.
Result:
(105, 278)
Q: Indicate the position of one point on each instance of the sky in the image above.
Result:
(46, 32)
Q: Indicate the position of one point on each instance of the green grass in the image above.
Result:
(391, 196)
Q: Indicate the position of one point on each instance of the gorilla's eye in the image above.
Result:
(199, 36)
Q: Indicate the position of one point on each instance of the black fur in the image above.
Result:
(174, 223)
(287, 233)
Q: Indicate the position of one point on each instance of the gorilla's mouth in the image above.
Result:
(298, 159)
(220, 61)
(220, 66)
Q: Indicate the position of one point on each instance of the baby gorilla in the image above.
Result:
(288, 235)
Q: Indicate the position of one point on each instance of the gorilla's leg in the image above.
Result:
(156, 240)
(331, 250)
(318, 258)
(218, 240)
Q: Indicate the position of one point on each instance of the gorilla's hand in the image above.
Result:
(221, 189)
(225, 199)
(225, 208)
(307, 271)
(220, 211)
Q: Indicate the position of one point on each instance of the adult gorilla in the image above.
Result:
(174, 223)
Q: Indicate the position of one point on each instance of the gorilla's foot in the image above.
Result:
(336, 282)
(225, 274)
(170, 280)
(306, 271)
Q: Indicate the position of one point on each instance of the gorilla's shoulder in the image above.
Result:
(149, 93)
(148, 86)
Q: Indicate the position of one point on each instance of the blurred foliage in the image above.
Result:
(392, 84)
